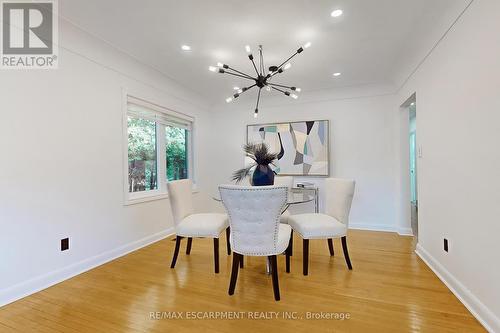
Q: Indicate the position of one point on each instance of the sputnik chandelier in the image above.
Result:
(262, 77)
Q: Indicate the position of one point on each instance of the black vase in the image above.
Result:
(263, 176)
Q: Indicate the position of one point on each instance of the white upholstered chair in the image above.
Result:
(254, 213)
(288, 182)
(190, 225)
(332, 224)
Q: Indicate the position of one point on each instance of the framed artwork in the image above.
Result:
(303, 146)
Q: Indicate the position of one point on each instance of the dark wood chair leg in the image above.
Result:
(188, 248)
(305, 259)
(176, 251)
(346, 252)
(216, 254)
(291, 244)
(330, 247)
(289, 253)
(234, 272)
(274, 273)
(241, 261)
(228, 232)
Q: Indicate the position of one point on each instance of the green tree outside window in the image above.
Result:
(176, 140)
(142, 174)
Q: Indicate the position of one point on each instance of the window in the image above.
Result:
(158, 149)
(142, 159)
(176, 145)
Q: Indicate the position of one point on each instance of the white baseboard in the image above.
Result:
(405, 232)
(372, 227)
(381, 227)
(44, 281)
(484, 315)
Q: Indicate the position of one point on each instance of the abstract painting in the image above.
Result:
(303, 146)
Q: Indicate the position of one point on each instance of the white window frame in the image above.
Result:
(165, 117)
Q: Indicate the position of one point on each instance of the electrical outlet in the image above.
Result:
(445, 245)
(64, 244)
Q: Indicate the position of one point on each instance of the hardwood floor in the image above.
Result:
(388, 290)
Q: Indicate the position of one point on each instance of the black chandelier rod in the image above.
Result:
(237, 71)
(282, 91)
(284, 62)
(245, 77)
(253, 63)
(262, 68)
(250, 87)
(279, 85)
(245, 89)
(258, 100)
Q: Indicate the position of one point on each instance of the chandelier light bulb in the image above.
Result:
(255, 114)
(212, 69)
(287, 66)
(307, 45)
(248, 49)
(220, 64)
(229, 99)
(294, 96)
(268, 88)
(240, 91)
(236, 88)
(298, 89)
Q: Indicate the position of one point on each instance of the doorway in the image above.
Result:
(412, 115)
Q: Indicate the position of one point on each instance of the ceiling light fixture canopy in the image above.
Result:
(262, 77)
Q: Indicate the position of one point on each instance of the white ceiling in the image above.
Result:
(370, 44)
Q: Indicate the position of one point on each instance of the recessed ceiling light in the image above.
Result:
(337, 13)
(337, 74)
(186, 48)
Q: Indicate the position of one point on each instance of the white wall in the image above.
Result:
(66, 124)
(362, 146)
(458, 127)
(62, 164)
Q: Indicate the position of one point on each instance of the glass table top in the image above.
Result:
(293, 198)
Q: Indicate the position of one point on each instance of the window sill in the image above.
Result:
(151, 197)
(145, 198)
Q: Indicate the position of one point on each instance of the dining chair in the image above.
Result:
(332, 224)
(191, 225)
(255, 230)
(288, 182)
